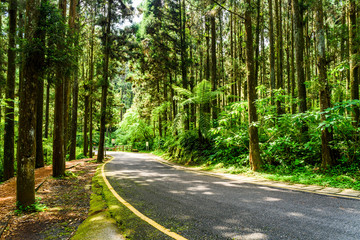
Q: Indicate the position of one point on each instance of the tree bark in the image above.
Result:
(327, 155)
(47, 109)
(279, 56)
(104, 87)
(299, 46)
(213, 64)
(293, 105)
(254, 158)
(86, 120)
(39, 162)
(25, 183)
(272, 52)
(184, 58)
(58, 141)
(9, 143)
(75, 93)
(354, 62)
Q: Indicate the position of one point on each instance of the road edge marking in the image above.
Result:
(136, 212)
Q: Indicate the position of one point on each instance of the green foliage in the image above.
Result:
(35, 207)
(133, 129)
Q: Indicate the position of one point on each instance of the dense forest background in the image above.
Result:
(266, 85)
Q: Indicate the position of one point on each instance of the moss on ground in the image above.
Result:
(106, 212)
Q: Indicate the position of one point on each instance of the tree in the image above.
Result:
(272, 51)
(58, 142)
(25, 184)
(74, 26)
(354, 62)
(9, 144)
(254, 154)
(40, 32)
(327, 155)
(297, 10)
(105, 84)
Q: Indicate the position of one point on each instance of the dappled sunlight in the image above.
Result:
(97, 218)
(247, 233)
(198, 188)
(114, 207)
(295, 214)
(253, 236)
(271, 199)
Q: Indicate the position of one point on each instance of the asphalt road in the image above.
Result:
(204, 207)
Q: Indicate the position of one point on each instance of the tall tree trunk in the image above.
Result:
(9, 143)
(75, 29)
(272, 52)
(104, 87)
(299, 46)
(58, 141)
(184, 58)
(354, 62)
(213, 63)
(39, 162)
(279, 55)
(293, 105)
(254, 158)
(91, 129)
(86, 120)
(2, 63)
(47, 109)
(91, 77)
(257, 39)
(25, 183)
(327, 155)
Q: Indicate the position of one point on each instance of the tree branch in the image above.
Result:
(237, 14)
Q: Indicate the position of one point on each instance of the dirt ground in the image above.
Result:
(66, 200)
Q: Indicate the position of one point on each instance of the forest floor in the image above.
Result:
(65, 202)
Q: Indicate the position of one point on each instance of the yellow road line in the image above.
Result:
(137, 213)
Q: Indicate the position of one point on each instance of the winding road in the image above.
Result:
(198, 206)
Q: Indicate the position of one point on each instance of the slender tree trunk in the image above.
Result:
(75, 29)
(233, 99)
(354, 62)
(86, 120)
(9, 143)
(327, 155)
(104, 87)
(47, 109)
(272, 52)
(91, 78)
(213, 64)
(25, 183)
(279, 50)
(184, 59)
(293, 105)
(39, 162)
(2, 68)
(91, 129)
(39, 125)
(58, 141)
(254, 158)
(257, 39)
(299, 46)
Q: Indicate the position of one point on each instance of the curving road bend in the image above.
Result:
(198, 206)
